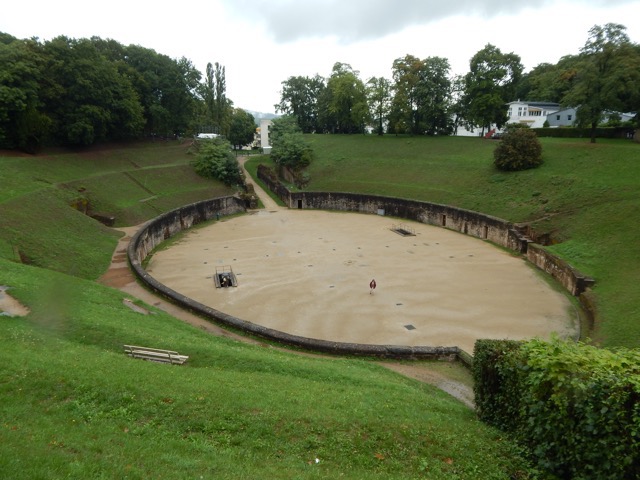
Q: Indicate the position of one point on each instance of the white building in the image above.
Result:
(264, 135)
(533, 114)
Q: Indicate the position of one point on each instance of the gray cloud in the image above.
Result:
(355, 20)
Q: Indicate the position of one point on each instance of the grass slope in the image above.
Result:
(75, 406)
(586, 196)
(132, 183)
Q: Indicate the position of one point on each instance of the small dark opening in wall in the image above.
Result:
(485, 232)
(299, 204)
(465, 229)
(443, 220)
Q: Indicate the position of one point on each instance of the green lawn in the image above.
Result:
(74, 406)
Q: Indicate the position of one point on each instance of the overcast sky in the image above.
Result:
(261, 43)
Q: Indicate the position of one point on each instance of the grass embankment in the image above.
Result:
(585, 195)
(132, 183)
(74, 406)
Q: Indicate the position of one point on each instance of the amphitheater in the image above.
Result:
(303, 278)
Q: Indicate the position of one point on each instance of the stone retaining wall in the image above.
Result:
(476, 224)
(482, 226)
(165, 226)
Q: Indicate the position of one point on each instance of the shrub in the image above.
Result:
(292, 151)
(519, 149)
(496, 382)
(215, 160)
(576, 408)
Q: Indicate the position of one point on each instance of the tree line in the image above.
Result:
(423, 98)
(77, 92)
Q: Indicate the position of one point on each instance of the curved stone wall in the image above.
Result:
(482, 226)
(165, 226)
(479, 225)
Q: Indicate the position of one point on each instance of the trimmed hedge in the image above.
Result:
(575, 407)
(575, 132)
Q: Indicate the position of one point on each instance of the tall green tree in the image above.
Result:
(344, 102)
(87, 98)
(22, 123)
(289, 147)
(491, 83)
(547, 82)
(405, 112)
(608, 76)
(165, 88)
(435, 94)
(379, 98)
(299, 97)
(242, 129)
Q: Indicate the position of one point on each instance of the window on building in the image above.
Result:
(557, 117)
(569, 117)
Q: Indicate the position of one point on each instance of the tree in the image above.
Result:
(299, 98)
(215, 160)
(519, 149)
(379, 98)
(489, 85)
(344, 101)
(435, 96)
(547, 82)
(288, 146)
(22, 123)
(291, 150)
(423, 96)
(281, 126)
(166, 89)
(608, 76)
(86, 96)
(242, 129)
(405, 114)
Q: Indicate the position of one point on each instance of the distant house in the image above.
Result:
(265, 123)
(562, 118)
(533, 114)
(207, 136)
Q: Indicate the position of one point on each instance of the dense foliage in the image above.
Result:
(423, 98)
(289, 147)
(77, 92)
(519, 149)
(576, 407)
(216, 160)
(242, 129)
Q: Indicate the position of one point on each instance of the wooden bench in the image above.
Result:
(155, 354)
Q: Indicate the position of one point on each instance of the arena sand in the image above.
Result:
(308, 273)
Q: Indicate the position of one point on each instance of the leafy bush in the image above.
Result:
(575, 407)
(292, 150)
(496, 382)
(519, 149)
(576, 132)
(215, 160)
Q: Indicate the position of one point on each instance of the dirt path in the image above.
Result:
(268, 202)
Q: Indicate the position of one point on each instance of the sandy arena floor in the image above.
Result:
(308, 273)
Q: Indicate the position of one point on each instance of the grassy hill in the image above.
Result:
(585, 196)
(74, 406)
